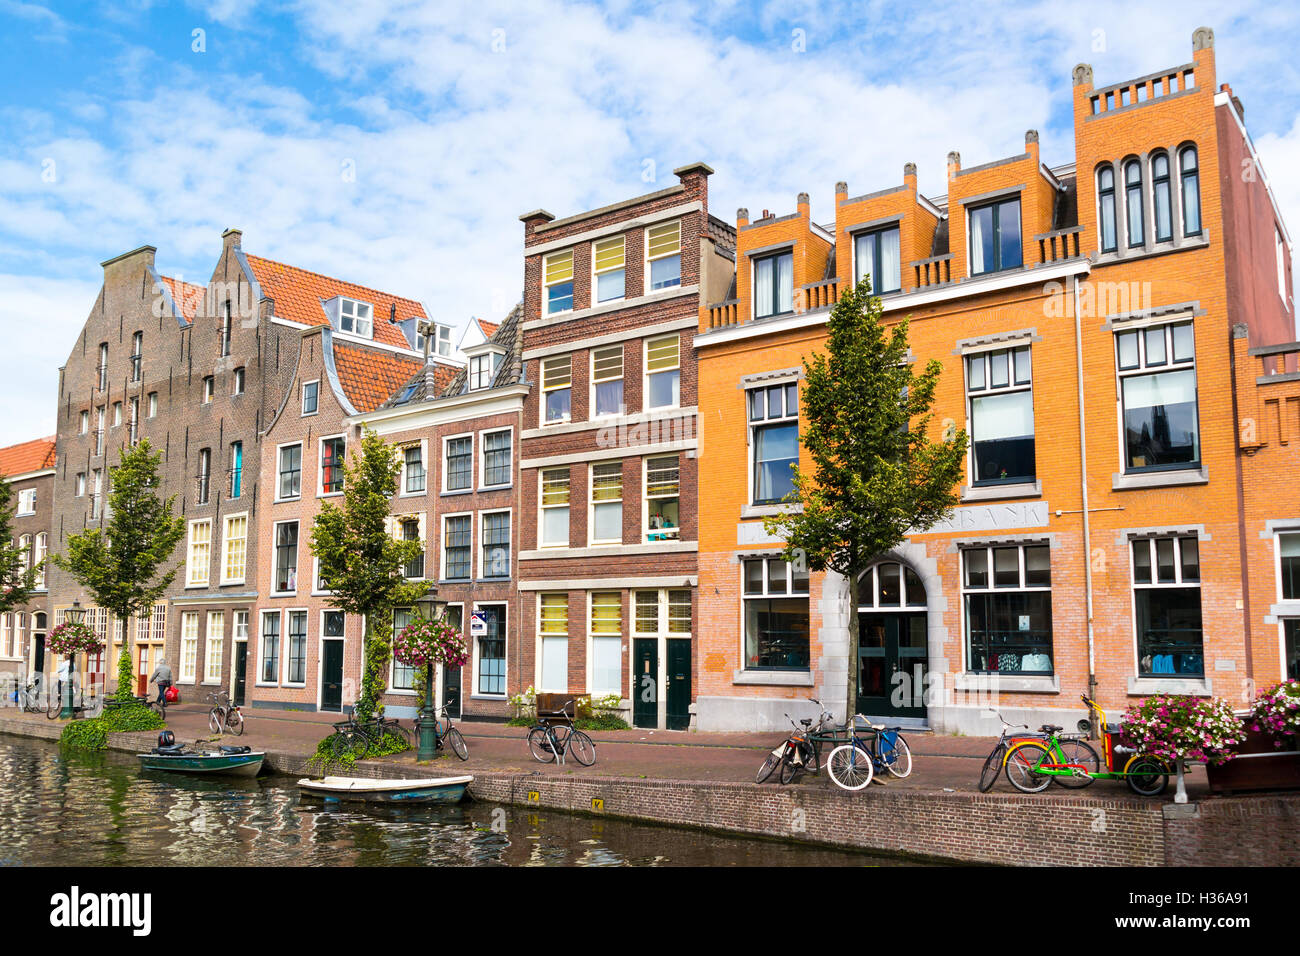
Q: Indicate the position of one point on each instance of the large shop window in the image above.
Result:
(1001, 393)
(995, 237)
(553, 624)
(774, 426)
(1157, 373)
(776, 615)
(876, 255)
(1167, 604)
(1008, 598)
(774, 285)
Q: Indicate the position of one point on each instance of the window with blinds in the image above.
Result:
(607, 503)
(609, 259)
(553, 625)
(557, 380)
(557, 277)
(664, 251)
(555, 508)
(607, 380)
(663, 372)
(662, 492)
(606, 641)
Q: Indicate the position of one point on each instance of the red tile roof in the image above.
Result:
(187, 297)
(369, 377)
(442, 376)
(489, 328)
(300, 296)
(27, 456)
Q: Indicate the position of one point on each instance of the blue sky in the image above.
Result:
(396, 143)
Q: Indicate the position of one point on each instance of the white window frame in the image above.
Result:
(592, 381)
(320, 465)
(209, 393)
(289, 612)
(279, 451)
(393, 662)
(191, 676)
(397, 528)
(225, 547)
(84, 421)
(595, 273)
(356, 317)
(965, 589)
(752, 426)
(482, 458)
(26, 502)
(542, 507)
(474, 653)
(592, 540)
(767, 595)
(1278, 535)
(646, 373)
(117, 414)
(442, 567)
(238, 381)
(1143, 369)
(1154, 585)
(546, 286)
(648, 269)
(423, 446)
(191, 567)
(482, 571)
(42, 551)
(1013, 386)
(645, 500)
(540, 655)
(621, 637)
(873, 232)
(543, 391)
(302, 399)
(446, 470)
(208, 656)
(79, 485)
(261, 648)
(297, 564)
(153, 404)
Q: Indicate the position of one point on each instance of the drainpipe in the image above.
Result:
(1083, 487)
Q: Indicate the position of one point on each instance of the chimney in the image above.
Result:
(841, 192)
(533, 220)
(1241, 110)
(742, 217)
(954, 164)
(909, 177)
(129, 263)
(1031, 144)
(695, 177)
(802, 204)
(230, 239)
(766, 215)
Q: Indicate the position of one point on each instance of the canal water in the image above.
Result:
(72, 809)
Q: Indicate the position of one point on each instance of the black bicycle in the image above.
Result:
(552, 738)
(446, 733)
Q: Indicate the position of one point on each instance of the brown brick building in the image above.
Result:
(1109, 535)
(609, 530)
(29, 468)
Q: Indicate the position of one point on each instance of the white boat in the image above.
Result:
(371, 790)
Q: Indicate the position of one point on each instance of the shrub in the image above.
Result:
(131, 715)
(1276, 712)
(1183, 728)
(84, 735)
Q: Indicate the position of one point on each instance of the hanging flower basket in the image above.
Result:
(1276, 714)
(69, 638)
(1184, 728)
(422, 643)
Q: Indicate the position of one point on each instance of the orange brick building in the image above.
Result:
(1102, 325)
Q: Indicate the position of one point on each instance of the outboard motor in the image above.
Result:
(166, 739)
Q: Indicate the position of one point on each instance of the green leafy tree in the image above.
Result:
(363, 561)
(877, 475)
(128, 566)
(17, 581)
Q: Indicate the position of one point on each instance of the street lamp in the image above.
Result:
(74, 615)
(430, 609)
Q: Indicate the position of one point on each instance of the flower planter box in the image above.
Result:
(1258, 765)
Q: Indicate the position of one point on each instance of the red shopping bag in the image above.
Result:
(173, 695)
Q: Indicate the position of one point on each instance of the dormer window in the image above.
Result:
(995, 237)
(774, 285)
(484, 362)
(355, 317)
(441, 344)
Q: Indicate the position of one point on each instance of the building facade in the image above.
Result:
(1084, 319)
(609, 523)
(29, 469)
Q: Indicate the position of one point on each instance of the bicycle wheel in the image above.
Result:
(770, 764)
(353, 742)
(539, 744)
(395, 729)
(1022, 762)
(1079, 752)
(895, 754)
(53, 704)
(789, 769)
(992, 767)
(457, 743)
(235, 721)
(214, 720)
(1146, 775)
(850, 767)
(582, 748)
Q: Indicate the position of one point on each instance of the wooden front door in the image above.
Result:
(241, 671)
(645, 682)
(331, 676)
(679, 684)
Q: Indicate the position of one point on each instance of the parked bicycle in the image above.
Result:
(798, 752)
(853, 765)
(553, 738)
(357, 738)
(30, 697)
(445, 733)
(996, 759)
(224, 715)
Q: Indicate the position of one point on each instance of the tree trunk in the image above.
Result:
(851, 701)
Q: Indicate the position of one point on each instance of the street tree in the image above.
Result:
(17, 580)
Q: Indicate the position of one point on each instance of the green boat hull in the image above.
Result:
(230, 765)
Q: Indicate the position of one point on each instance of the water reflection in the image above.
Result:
(89, 810)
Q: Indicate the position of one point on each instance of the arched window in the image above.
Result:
(1106, 207)
(1160, 191)
(1191, 189)
(1133, 201)
(890, 584)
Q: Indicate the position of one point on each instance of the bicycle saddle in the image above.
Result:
(807, 721)
(1050, 728)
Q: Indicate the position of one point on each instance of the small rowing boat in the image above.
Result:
(367, 790)
(227, 761)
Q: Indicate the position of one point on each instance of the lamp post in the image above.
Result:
(74, 615)
(429, 609)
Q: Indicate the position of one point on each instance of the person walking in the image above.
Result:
(162, 676)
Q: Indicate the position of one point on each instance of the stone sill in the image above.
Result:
(767, 511)
(1160, 479)
(1021, 489)
(1144, 686)
(1000, 683)
(774, 678)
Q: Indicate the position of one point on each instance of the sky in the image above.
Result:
(395, 144)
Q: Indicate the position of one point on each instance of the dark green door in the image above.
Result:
(892, 659)
(679, 684)
(331, 676)
(645, 683)
(241, 670)
(451, 690)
